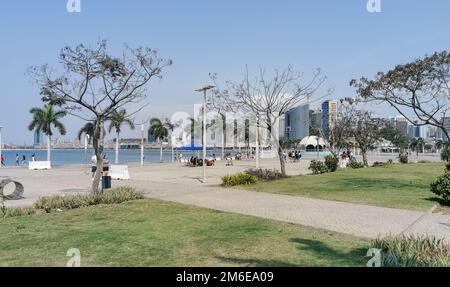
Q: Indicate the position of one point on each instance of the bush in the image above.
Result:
(16, 212)
(445, 154)
(318, 167)
(332, 163)
(383, 164)
(441, 187)
(114, 196)
(355, 164)
(413, 251)
(242, 178)
(379, 164)
(403, 158)
(266, 174)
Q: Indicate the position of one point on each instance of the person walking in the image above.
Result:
(93, 165)
(17, 160)
(105, 165)
(3, 160)
(33, 158)
(24, 160)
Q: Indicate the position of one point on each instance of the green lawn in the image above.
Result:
(397, 186)
(155, 233)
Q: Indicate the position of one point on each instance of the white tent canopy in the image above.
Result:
(311, 143)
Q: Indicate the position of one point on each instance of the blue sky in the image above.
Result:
(204, 36)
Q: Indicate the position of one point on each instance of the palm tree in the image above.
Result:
(417, 145)
(160, 131)
(438, 145)
(170, 128)
(87, 129)
(117, 119)
(43, 120)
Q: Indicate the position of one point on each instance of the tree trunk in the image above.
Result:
(282, 160)
(161, 153)
(117, 149)
(364, 156)
(49, 148)
(224, 134)
(97, 143)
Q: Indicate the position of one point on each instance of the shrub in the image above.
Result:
(332, 163)
(355, 164)
(441, 187)
(242, 178)
(318, 167)
(16, 212)
(389, 162)
(266, 174)
(413, 251)
(379, 164)
(113, 196)
(403, 158)
(445, 154)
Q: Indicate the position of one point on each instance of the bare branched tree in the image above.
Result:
(269, 98)
(95, 84)
(419, 91)
(358, 127)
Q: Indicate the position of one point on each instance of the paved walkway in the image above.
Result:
(359, 220)
(182, 185)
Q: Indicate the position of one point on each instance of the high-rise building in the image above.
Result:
(315, 119)
(329, 117)
(38, 139)
(400, 123)
(296, 122)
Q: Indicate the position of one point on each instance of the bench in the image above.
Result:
(40, 165)
(119, 172)
(16, 194)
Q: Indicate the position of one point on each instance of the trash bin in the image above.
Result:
(106, 182)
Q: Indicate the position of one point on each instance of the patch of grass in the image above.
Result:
(155, 233)
(396, 186)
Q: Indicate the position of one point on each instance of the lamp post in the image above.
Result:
(1, 145)
(142, 144)
(204, 89)
(86, 141)
(257, 141)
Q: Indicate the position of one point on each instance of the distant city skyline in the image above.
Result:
(203, 37)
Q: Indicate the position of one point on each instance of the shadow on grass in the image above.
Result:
(317, 249)
(323, 250)
(256, 262)
(438, 200)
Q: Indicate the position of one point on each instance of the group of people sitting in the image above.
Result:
(194, 161)
(294, 156)
(345, 159)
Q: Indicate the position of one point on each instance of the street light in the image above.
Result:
(1, 145)
(204, 89)
(86, 143)
(142, 143)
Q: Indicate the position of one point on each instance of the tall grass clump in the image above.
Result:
(113, 196)
(413, 251)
